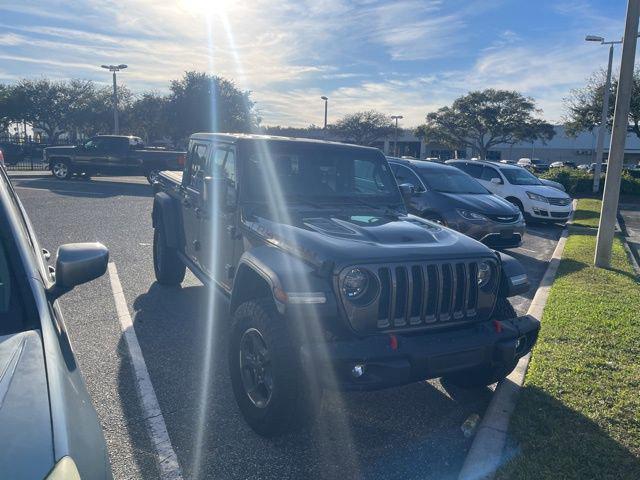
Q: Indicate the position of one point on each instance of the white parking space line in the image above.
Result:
(167, 459)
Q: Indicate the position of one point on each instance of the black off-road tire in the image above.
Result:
(482, 376)
(168, 267)
(290, 405)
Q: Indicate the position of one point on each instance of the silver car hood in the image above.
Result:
(25, 419)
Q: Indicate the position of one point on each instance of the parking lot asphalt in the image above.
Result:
(404, 433)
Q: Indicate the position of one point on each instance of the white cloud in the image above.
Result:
(406, 56)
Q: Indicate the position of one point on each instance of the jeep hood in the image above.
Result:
(26, 435)
(487, 204)
(365, 238)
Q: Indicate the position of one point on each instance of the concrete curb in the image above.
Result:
(632, 253)
(485, 454)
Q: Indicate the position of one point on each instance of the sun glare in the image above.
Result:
(207, 7)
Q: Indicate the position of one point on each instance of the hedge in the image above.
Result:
(579, 181)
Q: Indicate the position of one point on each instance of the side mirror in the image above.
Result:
(78, 263)
(406, 190)
(496, 180)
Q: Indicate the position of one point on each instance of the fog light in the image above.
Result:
(357, 371)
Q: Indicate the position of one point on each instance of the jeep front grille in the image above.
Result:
(422, 294)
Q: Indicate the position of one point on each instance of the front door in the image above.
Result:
(192, 184)
(92, 155)
(218, 236)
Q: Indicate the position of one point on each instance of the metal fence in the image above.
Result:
(22, 155)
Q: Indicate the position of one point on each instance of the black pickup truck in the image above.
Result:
(329, 282)
(111, 154)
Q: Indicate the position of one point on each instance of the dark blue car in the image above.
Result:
(447, 195)
(48, 426)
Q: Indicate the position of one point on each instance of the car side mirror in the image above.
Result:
(78, 263)
(406, 190)
(496, 180)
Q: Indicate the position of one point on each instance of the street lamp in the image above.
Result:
(114, 69)
(326, 101)
(395, 141)
(605, 109)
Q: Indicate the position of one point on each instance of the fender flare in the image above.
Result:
(279, 271)
(165, 212)
(513, 278)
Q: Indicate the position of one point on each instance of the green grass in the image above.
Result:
(588, 212)
(578, 416)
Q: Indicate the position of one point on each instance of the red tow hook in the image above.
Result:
(498, 326)
(393, 342)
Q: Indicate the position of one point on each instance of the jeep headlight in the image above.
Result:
(355, 283)
(469, 215)
(537, 198)
(484, 274)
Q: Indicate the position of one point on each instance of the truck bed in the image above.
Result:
(173, 176)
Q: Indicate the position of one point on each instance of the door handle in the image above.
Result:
(198, 212)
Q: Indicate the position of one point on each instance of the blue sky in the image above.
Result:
(400, 57)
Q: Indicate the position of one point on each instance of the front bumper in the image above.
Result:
(418, 356)
(493, 234)
(552, 213)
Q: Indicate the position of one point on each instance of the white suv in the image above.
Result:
(516, 184)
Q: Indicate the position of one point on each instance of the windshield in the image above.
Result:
(295, 172)
(520, 176)
(451, 181)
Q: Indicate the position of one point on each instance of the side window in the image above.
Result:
(224, 164)
(474, 170)
(367, 177)
(404, 175)
(488, 173)
(197, 164)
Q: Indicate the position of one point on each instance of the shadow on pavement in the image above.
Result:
(86, 188)
(404, 433)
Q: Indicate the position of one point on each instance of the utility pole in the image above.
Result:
(326, 101)
(395, 141)
(114, 69)
(606, 228)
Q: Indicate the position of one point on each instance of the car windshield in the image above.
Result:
(319, 173)
(451, 180)
(520, 176)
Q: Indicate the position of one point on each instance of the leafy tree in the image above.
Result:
(484, 119)
(147, 117)
(364, 128)
(43, 105)
(201, 102)
(7, 107)
(584, 105)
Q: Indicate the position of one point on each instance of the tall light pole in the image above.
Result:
(395, 141)
(326, 101)
(606, 226)
(114, 69)
(605, 110)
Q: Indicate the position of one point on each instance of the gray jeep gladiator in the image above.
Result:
(329, 282)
